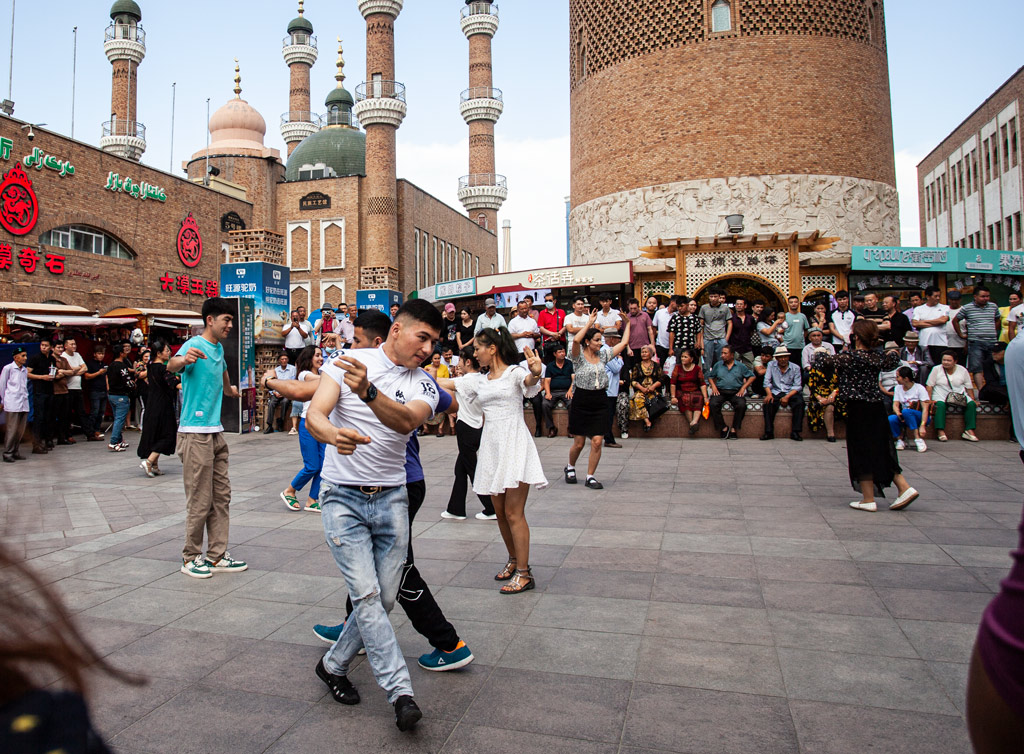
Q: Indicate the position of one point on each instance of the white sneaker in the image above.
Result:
(900, 445)
(862, 506)
(921, 447)
(293, 431)
(904, 500)
(625, 435)
(146, 466)
(446, 514)
(484, 517)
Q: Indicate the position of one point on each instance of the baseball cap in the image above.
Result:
(955, 295)
(449, 307)
(18, 350)
(488, 303)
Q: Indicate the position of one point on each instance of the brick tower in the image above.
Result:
(125, 46)
(380, 107)
(482, 191)
(299, 54)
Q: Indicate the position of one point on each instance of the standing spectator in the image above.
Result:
(120, 385)
(823, 389)
(95, 381)
(76, 410)
(714, 319)
(651, 307)
(450, 329)
(683, 327)
(60, 396)
(468, 430)
(978, 323)
(910, 409)
(953, 340)
(578, 318)
(950, 384)
(326, 324)
(141, 391)
(160, 430)
(741, 332)
(916, 300)
(344, 326)
(607, 316)
(816, 337)
(795, 336)
(648, 381)
(14, 402)
(275, 400)
(295, 335)
(870, 449)
(660, 323)
(929, 319)
(783, 386)
(394, 311)
(201, 445)
(874, 312)
(859, 302)
(523, 328)
(1004, 315)
(916, 357)
(770, 328)
(613, 365)
(688, 389)
(841, 321)
(557, 386)
(641, 333)
(1016, 319)
(307, 326)
(895, 324)
(464, 330)
(820, 318)
(729, 381)
(551, 323)
(311, 449)
(41, 379)
(490, 318)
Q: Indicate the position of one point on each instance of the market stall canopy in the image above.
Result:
(70, 320)
(806, 241)
(24, 307)
(170, 318)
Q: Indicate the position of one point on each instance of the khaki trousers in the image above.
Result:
(204, 463)
(16, 421)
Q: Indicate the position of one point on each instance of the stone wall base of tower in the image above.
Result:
(614, 227)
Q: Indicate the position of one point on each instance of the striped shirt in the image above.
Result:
(980, 322)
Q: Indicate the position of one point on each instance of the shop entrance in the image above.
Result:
(749, 289)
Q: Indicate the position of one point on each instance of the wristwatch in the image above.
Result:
(371, 394)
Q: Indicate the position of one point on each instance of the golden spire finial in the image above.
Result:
(300, 7)
(238, 81)
(340, 75)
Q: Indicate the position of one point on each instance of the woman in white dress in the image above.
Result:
(507, 463)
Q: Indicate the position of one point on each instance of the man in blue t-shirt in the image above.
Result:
(201, 445)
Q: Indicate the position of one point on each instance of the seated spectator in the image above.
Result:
(823, 386)
(764, 358)
(949, 383)
(817, 340)
(916, 357)
(910, 409)
(783, 387)
(558, 383)
(647, 381)
(729, 381)
(687, 388)
(283, 371)
(995, 390)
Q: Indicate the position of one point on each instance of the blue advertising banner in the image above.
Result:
(937, 259)
(381, 300)
(268, 286)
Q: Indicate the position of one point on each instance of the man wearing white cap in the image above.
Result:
(490, 317)
(783, 386)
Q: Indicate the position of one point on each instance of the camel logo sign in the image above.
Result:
(19, 208)
(190, 243)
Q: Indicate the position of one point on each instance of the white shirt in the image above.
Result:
(470, 411)
(75, 360)
(661, 318)
(578, 321)
(1016, 316)
(347, 331)
(931, 336)
(293, 338)
(843, 322)
(305, 405)
(14, 388)
(484, 321)
(960, 381)
(382, 462)
(808, 353)
(611, 319)
(904, 397)
(520, 325)
(952, 339)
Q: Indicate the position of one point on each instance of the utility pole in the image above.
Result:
(74, 76)
(174, 92)
(10, 76)
(206, 177)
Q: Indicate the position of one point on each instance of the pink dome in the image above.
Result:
(238, 122)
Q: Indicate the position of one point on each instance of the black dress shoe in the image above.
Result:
(407, 713)
(570, 475)
(553, 432)
(733, 435)
(612, 444)
(795, 436)
(341, 687)
(832, 439)
(18, 457)
(8, 459)
(536, 433)
(767, 436)
(725, 433)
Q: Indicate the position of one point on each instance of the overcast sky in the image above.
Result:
(945, 58)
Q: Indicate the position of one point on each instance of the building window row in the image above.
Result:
(438, 261)
(84, 238)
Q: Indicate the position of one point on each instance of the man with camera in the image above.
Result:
(295, 334)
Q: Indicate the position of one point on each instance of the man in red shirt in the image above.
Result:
(552, 327)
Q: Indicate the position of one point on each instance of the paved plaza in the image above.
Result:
(716, 598)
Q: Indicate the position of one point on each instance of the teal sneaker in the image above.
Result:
(328, 634)
(197, 569)
(227, 564)
(440, 661)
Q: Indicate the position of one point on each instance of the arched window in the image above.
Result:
(84, 238)
(481, 220)
(721, 16)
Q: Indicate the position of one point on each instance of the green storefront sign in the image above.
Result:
(928, 259)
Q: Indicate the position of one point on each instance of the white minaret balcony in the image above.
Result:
(482, 191)
(380, 103)
(389, 7)
(296, 125)
(125, 42)
(479, 18)
(481, 103)
(124, 138)
(299, 53)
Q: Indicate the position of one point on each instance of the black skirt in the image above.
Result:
(160, 426)
(870, 447)
(588, 413)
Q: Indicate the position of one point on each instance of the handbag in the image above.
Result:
(656, 406)
(954, 399)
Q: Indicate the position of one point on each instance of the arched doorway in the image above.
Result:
(748, 288)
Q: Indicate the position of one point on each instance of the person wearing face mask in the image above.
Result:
(344, 326)
(330, 345)
(552, 327)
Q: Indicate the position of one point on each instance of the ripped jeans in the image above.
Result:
(369, 537)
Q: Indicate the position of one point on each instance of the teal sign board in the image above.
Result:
(926, 259)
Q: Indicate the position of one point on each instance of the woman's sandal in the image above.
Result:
(291, 502)
(942, 437)
(508, 571)
(516, 585)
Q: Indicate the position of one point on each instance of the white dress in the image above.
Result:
(507, 454)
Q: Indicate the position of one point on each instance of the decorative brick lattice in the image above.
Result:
(819, 282)
(769, 264)
(378, 278)
(380, 205)
(664, 287)
(848, 19)
(257, 245)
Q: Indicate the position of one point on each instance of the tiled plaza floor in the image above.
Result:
(716, 598)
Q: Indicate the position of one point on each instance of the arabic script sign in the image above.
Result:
(136, 190)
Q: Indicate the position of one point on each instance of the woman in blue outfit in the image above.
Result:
(308, 365)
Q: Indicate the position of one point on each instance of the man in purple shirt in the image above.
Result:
(641, 333)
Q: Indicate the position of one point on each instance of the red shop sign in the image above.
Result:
(19, 208)
(190, 243)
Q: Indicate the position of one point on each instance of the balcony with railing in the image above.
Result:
(128, 128)
(130, 32)
(299, 48)
(479, 9)
(479, 18)
(296, 125)
(380, 88)
(125, 138)
(380, 102)
(481, 103)
(482, 191)
(480, 92)
(294, 40)
(125, 42)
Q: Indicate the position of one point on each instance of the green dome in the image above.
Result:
(341, 149)
(339, 96)
(126, 8)
(299, 23)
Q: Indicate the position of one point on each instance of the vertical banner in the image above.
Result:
(239, 414)
(267, 285)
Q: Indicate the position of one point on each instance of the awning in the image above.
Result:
(176, 323)
(172, 313)
(70, 320)
(28, 308)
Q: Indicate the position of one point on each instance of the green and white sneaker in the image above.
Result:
(197, 569)
(227, 564)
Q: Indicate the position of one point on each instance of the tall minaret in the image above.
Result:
(125, 46)
(482, 191)
(380, 108)
(300, 54)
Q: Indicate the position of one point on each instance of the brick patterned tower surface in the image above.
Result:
(482, 191)
(381, 109)
(125, 47)
(299, 53)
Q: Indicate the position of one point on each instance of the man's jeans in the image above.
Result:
(976, 352)
(119, 404)
(548, 405)
(369, 538)
(97, 406)
(712, 353)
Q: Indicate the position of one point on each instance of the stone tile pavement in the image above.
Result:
(716, 597)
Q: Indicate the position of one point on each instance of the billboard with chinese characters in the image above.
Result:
(609, 273)
(381, 300)
(239, 414)
(268, 286)
(455, 289)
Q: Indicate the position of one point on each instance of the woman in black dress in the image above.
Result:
(870, 448)
(160, 430)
